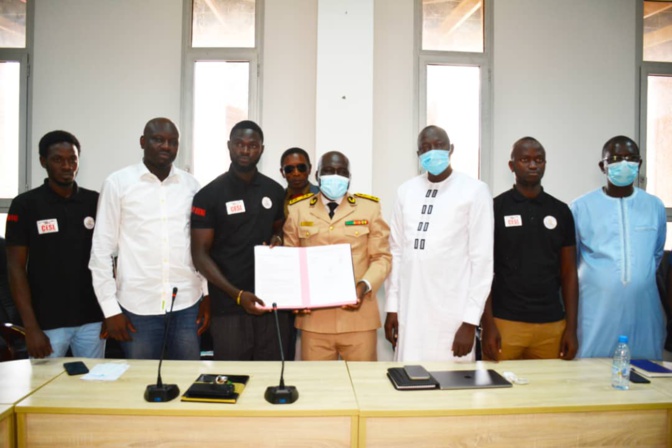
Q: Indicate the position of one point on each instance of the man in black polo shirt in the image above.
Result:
(49, 231)
(535, 264)
(238, 210)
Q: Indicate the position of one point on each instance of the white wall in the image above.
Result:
(564, 73)
(394, 102)
(101, 70)
(345, 85)
(289, 81)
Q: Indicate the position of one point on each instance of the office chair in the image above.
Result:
(12, 342)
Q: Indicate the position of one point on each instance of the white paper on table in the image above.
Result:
(304, 277)
(106, 372)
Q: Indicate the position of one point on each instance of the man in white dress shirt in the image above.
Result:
(441, 239)
(143, 221)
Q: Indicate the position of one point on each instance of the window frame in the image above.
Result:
(191, 55)
(482, 60)
(22, 56)
(644, 70)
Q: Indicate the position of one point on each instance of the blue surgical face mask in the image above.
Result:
(334, 186)
(435, 161)
(622, 173)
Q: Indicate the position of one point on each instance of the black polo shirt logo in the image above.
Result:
(89, 222)
(47, 226)
(550, 222)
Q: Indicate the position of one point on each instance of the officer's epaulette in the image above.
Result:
(300, 198)
(367, 196)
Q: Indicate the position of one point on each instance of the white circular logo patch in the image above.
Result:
(266, 202)
(89, 222)
(550, 222)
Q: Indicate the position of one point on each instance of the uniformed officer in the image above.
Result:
(334, 217)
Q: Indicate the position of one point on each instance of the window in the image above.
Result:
(13, 100)
(454, 74)
(656, 103)
(220, 79)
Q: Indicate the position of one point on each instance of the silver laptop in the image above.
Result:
(469, 379)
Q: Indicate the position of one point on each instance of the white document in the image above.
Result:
(108, 371)
(304, 277)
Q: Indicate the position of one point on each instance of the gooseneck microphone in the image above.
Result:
(281, 394)
(160, 392)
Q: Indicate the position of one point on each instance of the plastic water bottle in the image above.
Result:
(620, 368)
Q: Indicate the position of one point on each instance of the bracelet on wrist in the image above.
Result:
(239, 296)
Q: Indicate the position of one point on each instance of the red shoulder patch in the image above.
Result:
(12, 218)
(198, 211)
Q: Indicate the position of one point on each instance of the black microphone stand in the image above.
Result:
(160, 392)
(281, 394)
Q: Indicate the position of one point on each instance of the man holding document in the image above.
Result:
(333, 217)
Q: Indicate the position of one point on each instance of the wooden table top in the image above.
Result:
(19, 378)
(324, 389)
(554, 386)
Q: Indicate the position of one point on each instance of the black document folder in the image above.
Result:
(401, 381)
(212, 388)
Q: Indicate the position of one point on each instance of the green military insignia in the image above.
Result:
(357, 222)
(313, 201)
(367, 196)
(300, 198)
(351, 200)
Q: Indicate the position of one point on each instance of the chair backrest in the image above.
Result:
(14, 338)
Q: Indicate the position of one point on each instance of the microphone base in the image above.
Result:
(159, 394)
(281, 395)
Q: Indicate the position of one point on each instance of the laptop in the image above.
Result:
(469, 379)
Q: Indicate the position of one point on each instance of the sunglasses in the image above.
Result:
(289, 169)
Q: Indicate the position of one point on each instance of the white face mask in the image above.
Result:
(334, 186)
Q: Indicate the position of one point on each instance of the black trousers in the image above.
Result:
(244, 337)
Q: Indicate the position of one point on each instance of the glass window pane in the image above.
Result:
(13, 23)
(453, 102)
(9, 128)
(220, 101)
(658, 31)
(452, 25)
(658, 138)
(223, 23)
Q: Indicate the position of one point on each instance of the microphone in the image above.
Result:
(160, 392)
(281, 394)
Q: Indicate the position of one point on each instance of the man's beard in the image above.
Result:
(243, 169)
(64, 184)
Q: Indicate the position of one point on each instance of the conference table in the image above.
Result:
(75, 412)
(342, 404)
(564, 404)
